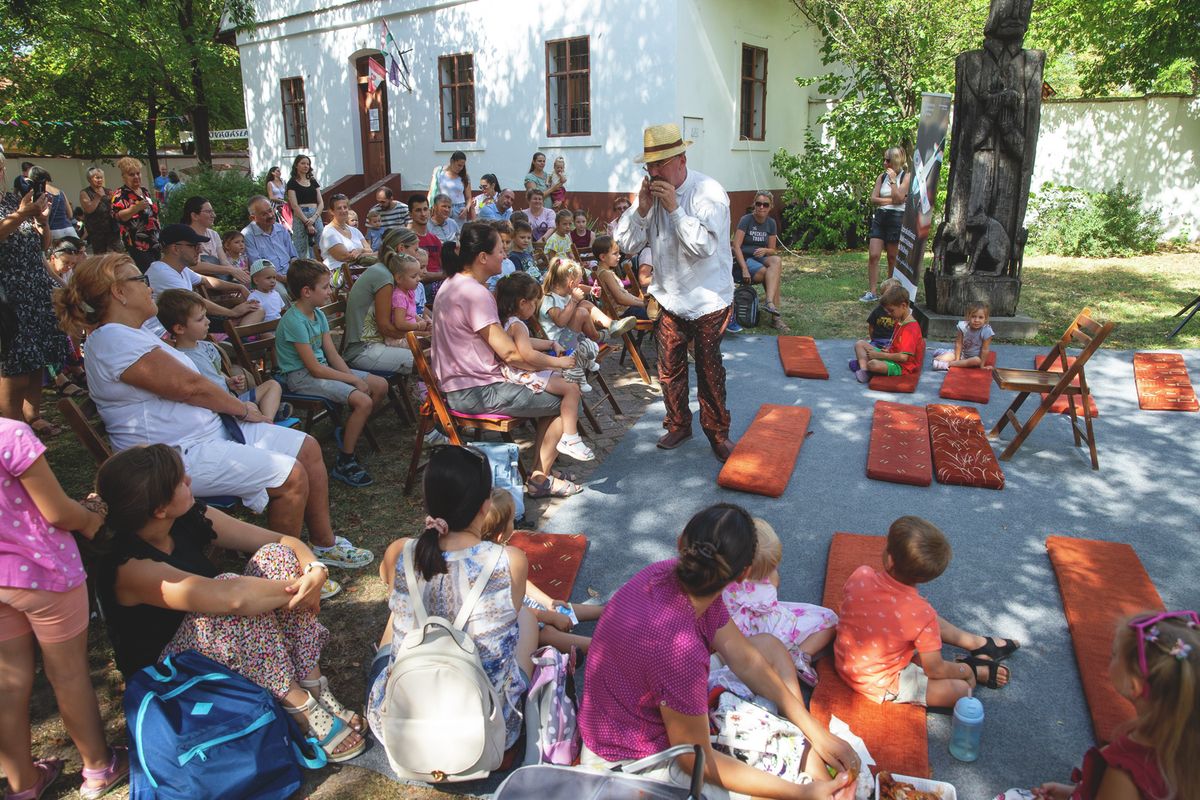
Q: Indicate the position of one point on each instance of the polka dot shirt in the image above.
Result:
(882, 621)
(33, 553)
(649, 651)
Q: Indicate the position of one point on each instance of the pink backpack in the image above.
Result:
(551, 730)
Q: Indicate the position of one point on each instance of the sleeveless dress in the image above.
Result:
(1125, 754)
(100, 227)
(492, 626)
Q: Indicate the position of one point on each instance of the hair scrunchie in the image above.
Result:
(438, 524)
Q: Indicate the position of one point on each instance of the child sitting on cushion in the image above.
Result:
(884, 620)
(755, 608)
(554, 623)
(900, 356)
(971, 343)
(879, 323)
(311, 364)
(184, 316)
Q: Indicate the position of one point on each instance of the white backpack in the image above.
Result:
(442, 720)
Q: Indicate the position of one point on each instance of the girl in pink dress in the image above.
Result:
(755, 608)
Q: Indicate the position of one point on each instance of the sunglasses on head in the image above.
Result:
(1147, 631)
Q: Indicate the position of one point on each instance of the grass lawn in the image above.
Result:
(821, 293)
(1140, 294)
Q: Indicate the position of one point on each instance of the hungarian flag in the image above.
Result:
(375, 73)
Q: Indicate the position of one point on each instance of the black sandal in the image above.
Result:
(994, 651)
(993, 670)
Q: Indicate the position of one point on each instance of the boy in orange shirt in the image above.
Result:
(901, 355)
(884, 620)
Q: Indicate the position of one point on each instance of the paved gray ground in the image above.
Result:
(1000, 580)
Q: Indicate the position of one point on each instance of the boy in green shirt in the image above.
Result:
(309, 363)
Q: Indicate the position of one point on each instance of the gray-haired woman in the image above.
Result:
(96, 201)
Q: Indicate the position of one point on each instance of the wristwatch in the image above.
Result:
(310, 566)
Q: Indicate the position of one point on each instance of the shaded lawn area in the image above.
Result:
(1140, 294)
(820, 300)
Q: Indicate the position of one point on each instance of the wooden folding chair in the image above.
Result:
(1072, 382)
(254, 346)
(84, 421)
(606, 393)
(436, 411)
(609, 305)
(399, 394)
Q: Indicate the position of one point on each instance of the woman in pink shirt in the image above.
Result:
(469, 345)
(646, 687)
(43, 595)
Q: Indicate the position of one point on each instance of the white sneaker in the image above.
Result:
(574, 447)
(330, 588)
(622, 326)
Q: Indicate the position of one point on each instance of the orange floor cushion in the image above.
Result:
(1162, 383)
(1061, 404)
(894, 733)
(1101, 583)
(800, 358)
(905, 383)
(554, 559)
(763, 459)
(962, 454)
(899, 450)
(969, 383)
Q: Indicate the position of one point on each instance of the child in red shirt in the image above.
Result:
(883, 620)
(901, 355)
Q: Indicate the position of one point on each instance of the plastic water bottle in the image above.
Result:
(967, 730)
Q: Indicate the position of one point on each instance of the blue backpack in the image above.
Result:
(199, 730)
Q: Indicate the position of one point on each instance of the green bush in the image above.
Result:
(228, 191)
(1067, 221)
(827, 202)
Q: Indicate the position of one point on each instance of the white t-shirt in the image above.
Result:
(131, 415)
(214, 248)
(332, 236)
(271, 302)
(163, 276)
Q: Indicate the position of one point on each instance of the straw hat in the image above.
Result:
(660, 142)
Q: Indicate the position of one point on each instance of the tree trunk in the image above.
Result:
(150, 131)
(199, 113)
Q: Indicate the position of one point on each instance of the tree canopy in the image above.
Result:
(140, 60)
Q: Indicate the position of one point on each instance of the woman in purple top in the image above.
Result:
(646, 687)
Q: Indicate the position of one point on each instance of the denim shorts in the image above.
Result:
(886, 225)
(753, 265)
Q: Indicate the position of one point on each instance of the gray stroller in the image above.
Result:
(550, 782)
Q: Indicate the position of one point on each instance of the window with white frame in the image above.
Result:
(568, 87)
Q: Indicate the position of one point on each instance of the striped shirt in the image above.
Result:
(394, 217)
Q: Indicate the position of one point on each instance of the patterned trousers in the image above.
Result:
(272, 649)
(674, 333)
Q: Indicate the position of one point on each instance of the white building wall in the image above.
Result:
(1152, 144)
(632, 80)
(711, 35)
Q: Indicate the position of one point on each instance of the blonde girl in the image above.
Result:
(558, 183)
(554, 626)
(971, 342)
(1156, 666)
(565, 311)
(517, 297)
(406, 270)
(755, 608)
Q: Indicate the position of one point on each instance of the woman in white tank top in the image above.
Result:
(888, 197)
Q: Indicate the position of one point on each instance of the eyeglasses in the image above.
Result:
(758, 204)
(142, 279)
(1147, 631)
(660, 164)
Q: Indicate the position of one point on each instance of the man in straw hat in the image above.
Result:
(684, 217)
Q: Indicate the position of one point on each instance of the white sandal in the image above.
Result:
(331, 704)
(575, 448)
(329, 730)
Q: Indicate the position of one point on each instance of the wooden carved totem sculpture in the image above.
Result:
(979, 246)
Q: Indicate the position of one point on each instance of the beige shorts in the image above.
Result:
(914, 684)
